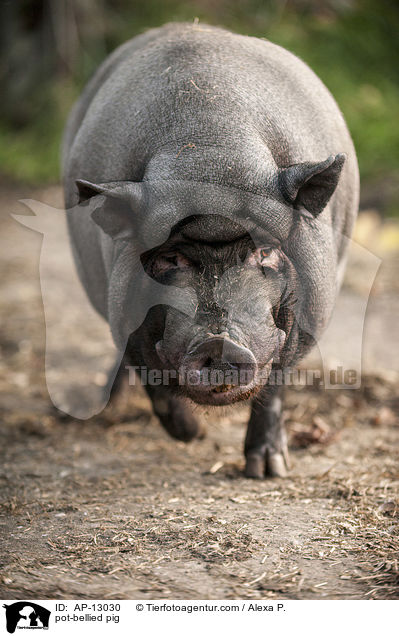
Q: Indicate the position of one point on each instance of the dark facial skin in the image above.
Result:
(243, 290)
(240, 318)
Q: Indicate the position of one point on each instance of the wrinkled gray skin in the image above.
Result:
(217, 184)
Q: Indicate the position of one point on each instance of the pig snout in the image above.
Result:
(222, 354)
(217, 370)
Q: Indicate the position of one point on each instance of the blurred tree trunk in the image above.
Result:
(75, 23)
(40, 41)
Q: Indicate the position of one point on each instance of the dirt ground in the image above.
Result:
(113, 508)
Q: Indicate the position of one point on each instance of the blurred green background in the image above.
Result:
(49, 48)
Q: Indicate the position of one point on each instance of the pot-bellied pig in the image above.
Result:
(212, 185)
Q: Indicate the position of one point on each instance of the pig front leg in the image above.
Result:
(175, 414)
(266, 449)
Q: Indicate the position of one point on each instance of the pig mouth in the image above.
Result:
(223, 388)
(223, 393)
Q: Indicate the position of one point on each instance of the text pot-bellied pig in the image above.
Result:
(211, 186)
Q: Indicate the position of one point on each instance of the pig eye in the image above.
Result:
(268, 257)
(174, 260)
(264, 253)
(165, 263)
(170, 260)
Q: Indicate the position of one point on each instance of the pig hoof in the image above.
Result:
(276, 465)
(254, 467)
(270, 465)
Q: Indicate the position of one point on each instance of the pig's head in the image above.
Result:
(227, 345)
(224, 282)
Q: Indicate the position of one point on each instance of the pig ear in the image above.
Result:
(310, 185)
(87, 190)
(117, 214)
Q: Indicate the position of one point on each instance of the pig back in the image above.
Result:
(196, 103)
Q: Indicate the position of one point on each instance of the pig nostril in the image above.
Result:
(223, 363)
(223, 355)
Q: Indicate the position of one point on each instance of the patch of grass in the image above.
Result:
(31, 153)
